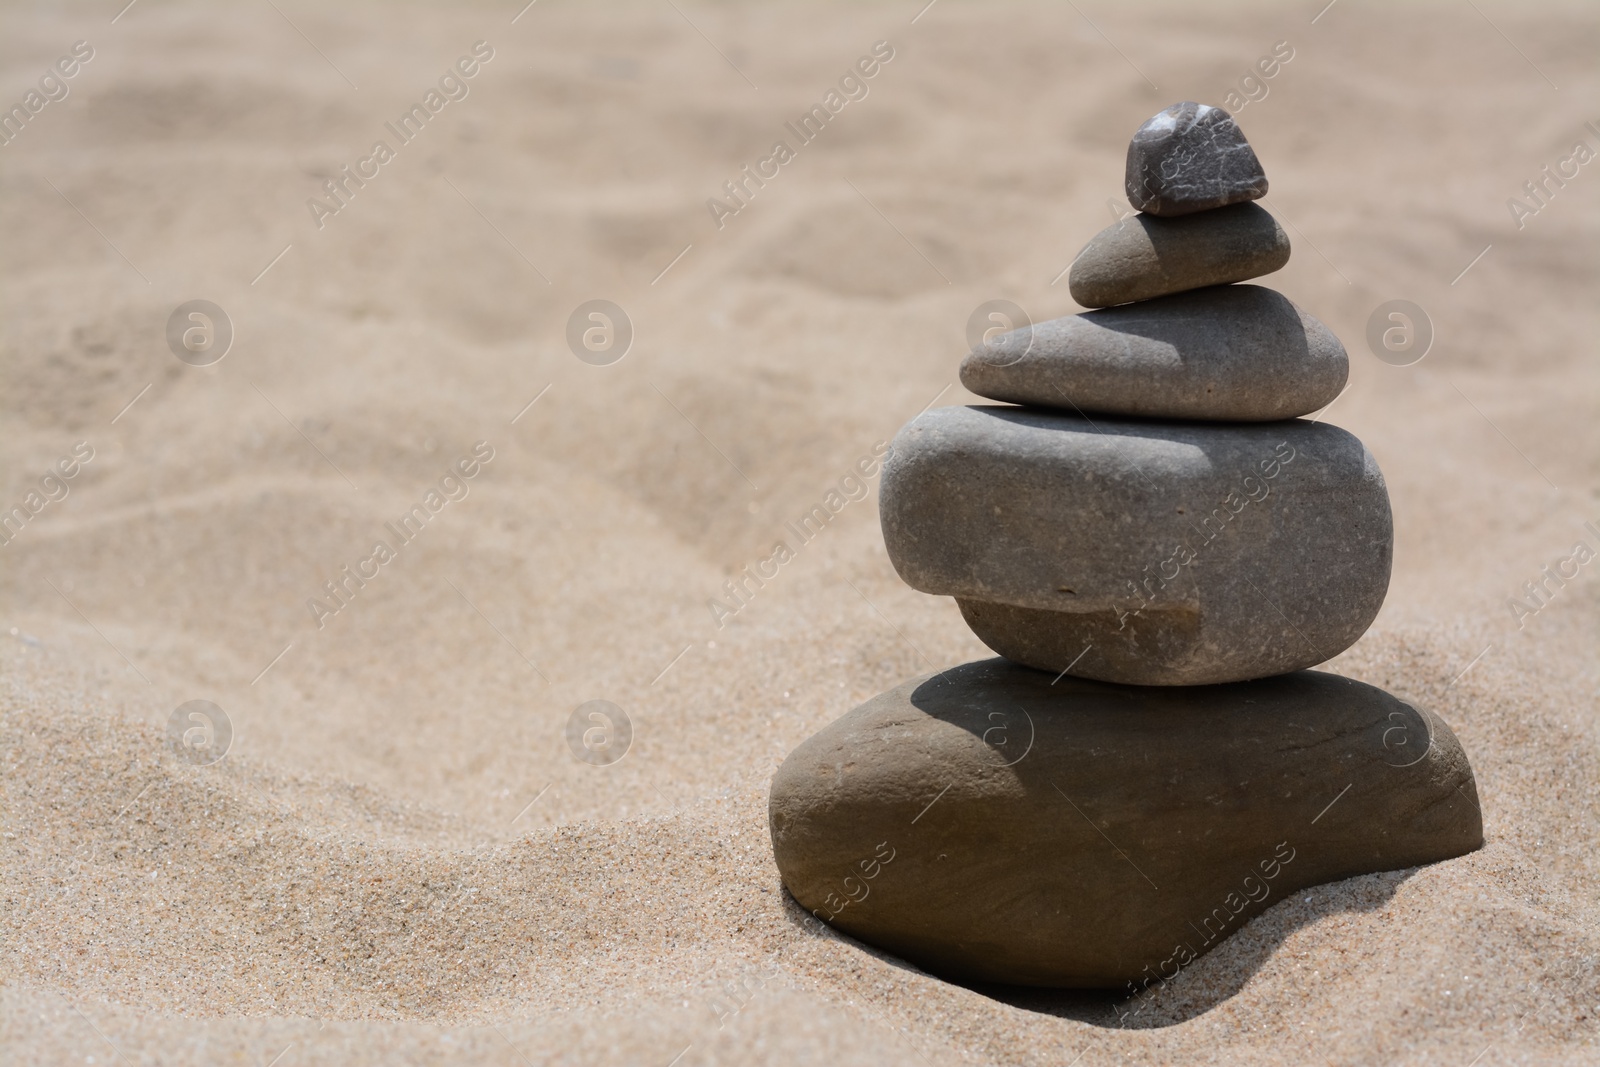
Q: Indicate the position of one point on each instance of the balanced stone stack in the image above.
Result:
(1158, 545)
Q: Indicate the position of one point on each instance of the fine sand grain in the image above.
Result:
(400, 860)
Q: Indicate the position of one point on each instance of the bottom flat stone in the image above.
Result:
(990, 823)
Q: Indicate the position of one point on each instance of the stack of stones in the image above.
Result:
(1158, 546)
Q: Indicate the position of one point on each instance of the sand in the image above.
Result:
(400, 860)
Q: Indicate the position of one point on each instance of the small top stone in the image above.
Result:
(1191, 157)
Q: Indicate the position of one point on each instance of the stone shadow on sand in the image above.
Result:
(1209, 981)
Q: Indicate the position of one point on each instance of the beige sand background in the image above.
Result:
(400, 860)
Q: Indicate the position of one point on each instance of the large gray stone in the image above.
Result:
(1146, 553)
(1191, 157)
(986, 824)
(1145, 256)
(1227, 352)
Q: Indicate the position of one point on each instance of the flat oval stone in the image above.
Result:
(1139, 552)
(1191, 157)
(987, 824)
(1238, 353)
(1146, 256)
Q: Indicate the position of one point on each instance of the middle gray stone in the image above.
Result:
(1139, 552)
(1146, 256)
(1226, 352)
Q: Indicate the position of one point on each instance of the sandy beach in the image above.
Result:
(399, 858)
